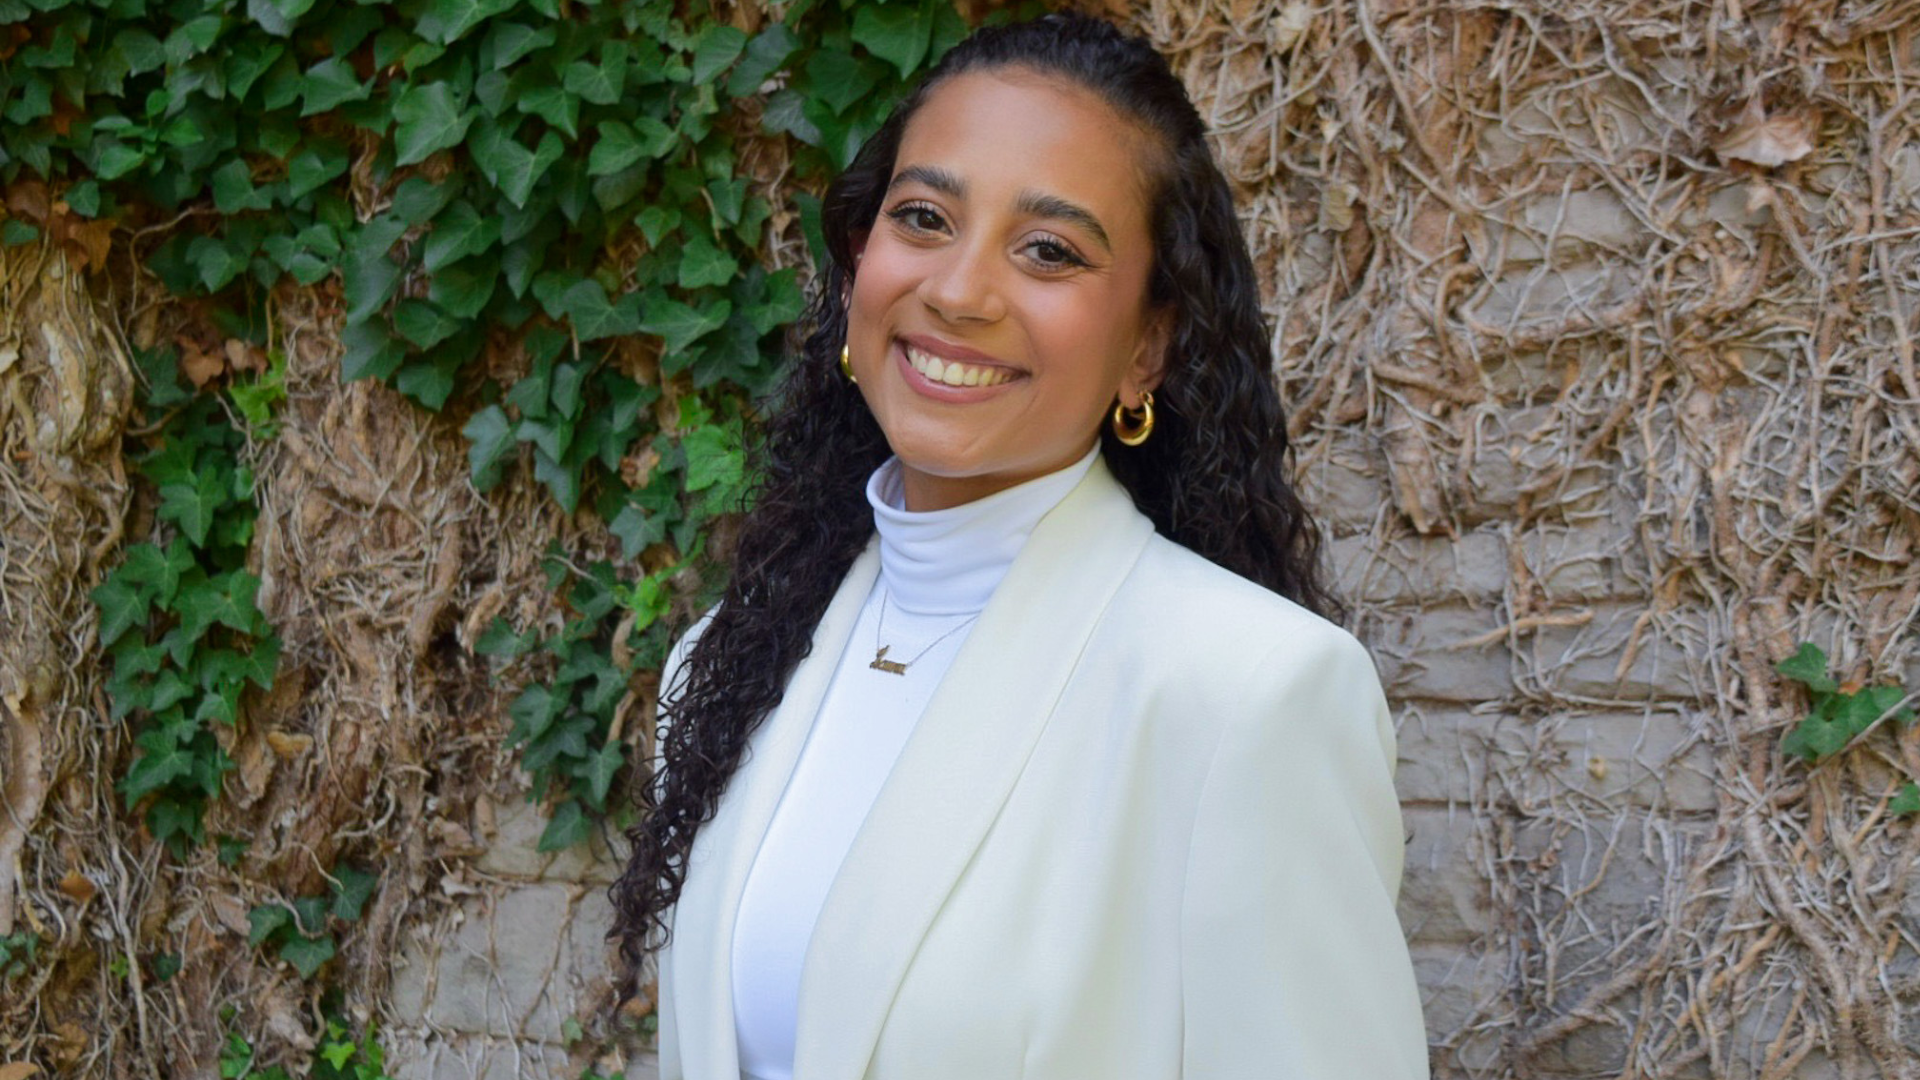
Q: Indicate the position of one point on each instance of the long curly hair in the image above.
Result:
(1213, 477)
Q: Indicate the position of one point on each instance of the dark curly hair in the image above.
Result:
(1213, 477)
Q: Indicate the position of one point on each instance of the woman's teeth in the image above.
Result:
(953, 372)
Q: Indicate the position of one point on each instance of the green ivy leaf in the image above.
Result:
(113, 159)
(532, 713)
(227, 600)
(316, 165)
(330, 84)
(509, 42)
(1906, 802)
(621, 145)
(1809, 667)
(602, 767)
(418, 199)
(122, 607)
(217, 263)
(191, 38)
(463, 289)
(447, 21)
(679, 324)
(714, 457)
(595, 316)
(491, 442)
(562, 480)
(569, 826)
(600, 83)
(429, 118)
(838, 79)
(141, 50)
(369, 351)
(459, 232)
(160, 763)
(306, 954)
(429, 380)
(655, 222)
(781, 304)
(278, 17)
(786, 114)
(714, 49)
(233, 189)
(351, 890)
(368, 275)
(266, 920)
(193, 505)
(556, 106)
(423, 323)
(898, 33)
(499, 639)
(511, 167)
(703, 264)
(764, 54)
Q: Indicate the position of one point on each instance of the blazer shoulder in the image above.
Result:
(1212, 611)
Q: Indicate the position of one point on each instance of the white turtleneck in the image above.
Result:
(937, 570)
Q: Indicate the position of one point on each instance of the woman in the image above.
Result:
(1019, 744)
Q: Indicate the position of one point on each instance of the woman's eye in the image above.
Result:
(918, 217)
(1052, 254)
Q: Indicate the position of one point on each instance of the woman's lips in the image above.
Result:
(958, 372)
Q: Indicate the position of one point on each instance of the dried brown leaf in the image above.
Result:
(1767, 141)
(200, 365)
(77, 888)
(289, 745)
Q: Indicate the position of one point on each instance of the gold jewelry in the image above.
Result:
(899, 667)
(846, 368)
(1132, 426)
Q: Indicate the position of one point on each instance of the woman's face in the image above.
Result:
(999, 304)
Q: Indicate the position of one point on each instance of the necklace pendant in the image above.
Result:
(881, 663)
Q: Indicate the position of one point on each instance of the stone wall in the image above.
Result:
(1596, 325)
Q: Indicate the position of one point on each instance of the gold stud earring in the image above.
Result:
(1132, 426)
(846, 367)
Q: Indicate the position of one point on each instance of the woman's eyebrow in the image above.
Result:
(1053, 206)
(1035, 203)
(933, 176)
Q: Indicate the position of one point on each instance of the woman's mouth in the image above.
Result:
(955, 372)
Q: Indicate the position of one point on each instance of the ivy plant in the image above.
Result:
(300, 932)
(177, 616)
(1839, 716)
(568, 188)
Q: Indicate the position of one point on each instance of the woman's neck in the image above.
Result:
(948, 561)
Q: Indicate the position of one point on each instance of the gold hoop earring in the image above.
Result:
(846, 367)
(1132, 426)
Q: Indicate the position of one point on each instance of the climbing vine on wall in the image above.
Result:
(557, 178)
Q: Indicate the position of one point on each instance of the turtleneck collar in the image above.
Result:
(947, 562)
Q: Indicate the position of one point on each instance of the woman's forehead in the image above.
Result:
(1020, 137)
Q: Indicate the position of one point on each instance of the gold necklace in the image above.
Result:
(899, 667)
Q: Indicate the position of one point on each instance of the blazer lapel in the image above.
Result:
(957, 770)
(723, 853)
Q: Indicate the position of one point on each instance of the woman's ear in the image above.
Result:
(1150, 360)
(857, 243)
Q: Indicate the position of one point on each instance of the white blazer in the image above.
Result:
(1145, 830)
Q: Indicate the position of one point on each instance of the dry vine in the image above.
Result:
(1645, 274)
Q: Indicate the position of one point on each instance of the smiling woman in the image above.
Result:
(1112, 796)
(999, 306)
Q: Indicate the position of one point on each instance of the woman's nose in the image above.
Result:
(963, 286)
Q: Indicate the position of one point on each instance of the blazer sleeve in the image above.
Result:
(665, 1012)
(1293, 962)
